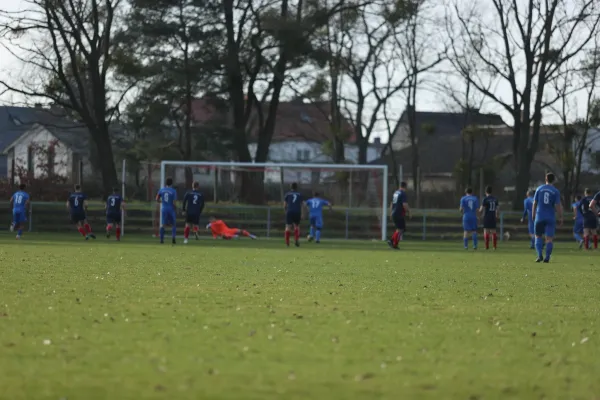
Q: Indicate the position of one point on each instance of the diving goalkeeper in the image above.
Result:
(219, 229)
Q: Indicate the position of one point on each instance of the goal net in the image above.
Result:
(250, 195)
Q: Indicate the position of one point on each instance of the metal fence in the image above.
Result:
(268, 221)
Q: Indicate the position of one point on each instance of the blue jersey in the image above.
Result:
(167, 197)
(580, 208)
(19, 201)
(469, 205)
(398, 201)
(113, 204)
(315, 206)
(76, 201)
(490, 206)
(193, 202)
(293, 201)
(546, 198)
(528, 208)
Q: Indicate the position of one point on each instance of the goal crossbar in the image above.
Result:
(216, 164)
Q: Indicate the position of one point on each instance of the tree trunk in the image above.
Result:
(105, 160)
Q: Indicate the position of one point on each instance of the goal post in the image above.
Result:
(366, 184)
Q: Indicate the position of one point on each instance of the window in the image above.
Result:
(302, 155)
(30, 156)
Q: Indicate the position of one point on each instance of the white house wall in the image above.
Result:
(41, 138)
(305, 152)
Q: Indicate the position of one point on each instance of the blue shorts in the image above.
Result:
(470, 224)
(78, 217)
(168, 217)
(531, 227)
(19, 217)
(545, 228)
(293, 218)
(316, 221)
(113, 218)
(578, 227)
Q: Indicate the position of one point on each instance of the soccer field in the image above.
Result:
(256, 320)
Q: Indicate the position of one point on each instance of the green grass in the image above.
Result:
(254, 320)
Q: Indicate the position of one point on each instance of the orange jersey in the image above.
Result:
(219, 228)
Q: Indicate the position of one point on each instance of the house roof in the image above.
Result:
(295, 121)
(448, 123)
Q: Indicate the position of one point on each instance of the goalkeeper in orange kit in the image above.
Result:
(219, 229)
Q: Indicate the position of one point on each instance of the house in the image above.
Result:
(441, 146)
(302, 135)
(590, 161)
(39, 142)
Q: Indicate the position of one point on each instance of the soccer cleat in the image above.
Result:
(18, 237)
(309, 238)
(546, 260)
(162, 242)
(196, 235)
(12, 227)
(253, 237)
(92, 236)
(538, 260)
(185, 241)
(318, 241)
(174, 241)
(389, 242)
(108, 234)
(580, 244)
(297, 243)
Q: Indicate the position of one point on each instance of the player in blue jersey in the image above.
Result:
(489, 210)
(578, 219)
(528, 216)
(546, 206)
(167, 200)
(77, 206)
(20, 204)
(315, 212)
(293, 214)
(193, 205)
(115, 206)
(589, 219)
(399, 211)
(469, 204)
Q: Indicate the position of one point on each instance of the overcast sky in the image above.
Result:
(428, 100)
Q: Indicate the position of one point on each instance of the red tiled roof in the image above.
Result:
(295, 120)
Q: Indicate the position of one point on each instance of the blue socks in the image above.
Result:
(318, 237)
(312, 232)
(578, 237)
(19, 232)
(475, 240)
(173, 231)
(539, 246)
(549, 247)
(533, 242)
(162, 233)
(466, 242)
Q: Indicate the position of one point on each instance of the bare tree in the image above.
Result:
(69, 44)
(521, 45)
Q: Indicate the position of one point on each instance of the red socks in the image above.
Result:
(296, 234)
(495, 239)
(586, 241)
(287, 237)
(88, 228)
(595, 241)
(486, 237)
(195, 229)
(108, 228)
(118, 231)
(80, 229)
(395, 239)
(186, 232)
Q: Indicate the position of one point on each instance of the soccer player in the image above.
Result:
(315, 211)
(528, 216)
(77, 206)
(219, 229)
(20, 203)
(167, 200)
(399, 210)
(546, 205)
(469, 204)
(114, 208)
(590, 220)
(578, 219)
(489, 210)
(193, 204)
(293, 214)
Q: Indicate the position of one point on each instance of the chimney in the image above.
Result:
(38, 105)
(377, 141)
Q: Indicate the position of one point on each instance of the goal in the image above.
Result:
(253, 192)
